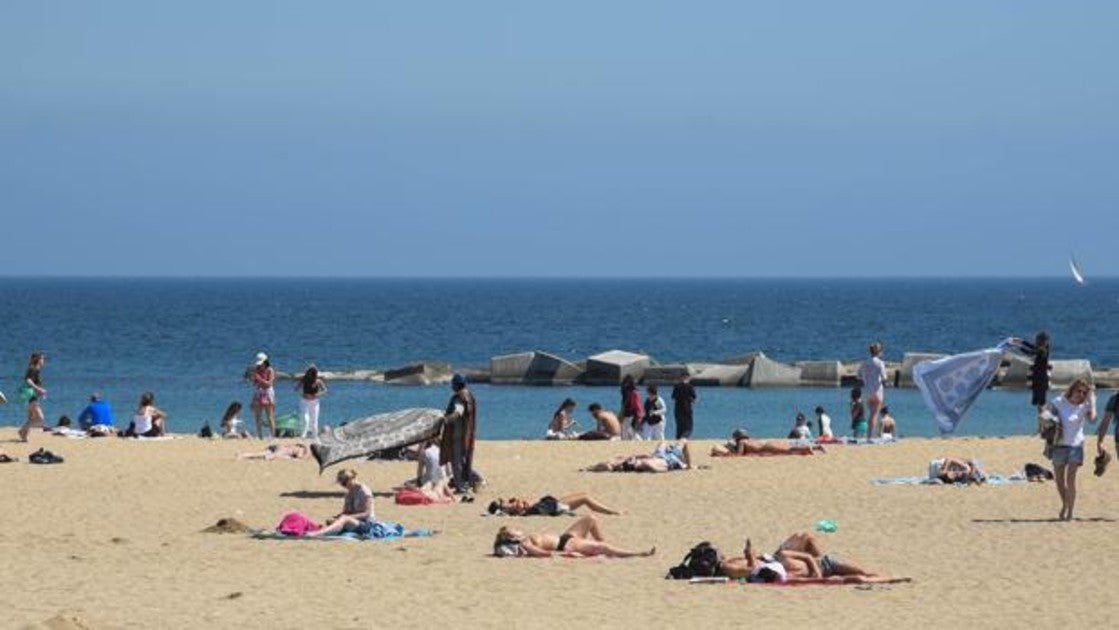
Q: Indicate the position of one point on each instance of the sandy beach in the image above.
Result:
(112, 539)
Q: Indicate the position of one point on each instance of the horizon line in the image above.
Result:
(525, 277)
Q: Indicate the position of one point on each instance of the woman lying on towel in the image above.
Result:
(800, 559)
(742, 444)
(951, 470)
(279, 451)
(583, 538)
(664, 458)
(548, 505)
(357, 508)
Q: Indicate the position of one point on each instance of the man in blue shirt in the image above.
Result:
(96, 413)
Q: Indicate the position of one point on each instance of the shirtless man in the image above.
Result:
(607, 425)
(666, 457)
(742, 444)
(584, 538)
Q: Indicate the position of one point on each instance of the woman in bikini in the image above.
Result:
(584, 538)
(279, 451)
(264, 394)
(517, 506)
(742, 444)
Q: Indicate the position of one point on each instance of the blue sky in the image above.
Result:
(617, 138)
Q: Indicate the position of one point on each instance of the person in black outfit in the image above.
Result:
(1039, 371)
(684, 397)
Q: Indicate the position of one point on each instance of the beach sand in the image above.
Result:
(112, 539)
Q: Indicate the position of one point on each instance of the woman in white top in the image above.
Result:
(1077, 406)
(149, 419)
(311, 387)
(873, 375)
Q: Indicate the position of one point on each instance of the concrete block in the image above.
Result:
(765, 372)
(820, 373)
(609, 368)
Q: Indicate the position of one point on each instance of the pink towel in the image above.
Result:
(297, 524)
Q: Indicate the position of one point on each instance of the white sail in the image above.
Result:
(1077, 273)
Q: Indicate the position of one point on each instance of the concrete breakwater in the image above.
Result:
(753, 369)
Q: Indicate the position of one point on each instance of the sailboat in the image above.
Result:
(1077, 272)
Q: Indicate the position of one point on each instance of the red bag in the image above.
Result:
(409, 496)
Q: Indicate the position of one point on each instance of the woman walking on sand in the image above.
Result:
(33, 392)
(1072, 410)
(873, 375)
(311, 388)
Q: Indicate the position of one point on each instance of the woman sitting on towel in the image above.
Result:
(357, 508)
(279, 451)
(583, 538)
(742, 444)
(951, 470)
(149, 420)
(664, 458)
(548, 505)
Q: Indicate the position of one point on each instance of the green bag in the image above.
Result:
(26, 393)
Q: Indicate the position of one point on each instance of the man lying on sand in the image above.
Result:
(801, 559)
(583, 538)
(664, 458)
(742, 444)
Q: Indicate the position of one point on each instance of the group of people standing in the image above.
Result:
(636, 419)
(262, 377)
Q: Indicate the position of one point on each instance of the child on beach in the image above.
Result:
(858, 414)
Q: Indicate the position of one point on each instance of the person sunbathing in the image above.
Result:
(804, 559)
(664, 458)
(279, 451)
(952, 470)
(548, 505)
(583, 538)
(742, 444)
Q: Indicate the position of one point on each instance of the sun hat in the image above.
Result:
(261, 358)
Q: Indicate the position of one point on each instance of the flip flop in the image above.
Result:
(1101, 463)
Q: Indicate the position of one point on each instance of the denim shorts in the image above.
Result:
(1063, 455)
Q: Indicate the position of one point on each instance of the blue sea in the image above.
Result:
(190, 340)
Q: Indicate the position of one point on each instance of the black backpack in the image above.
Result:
(702, 561)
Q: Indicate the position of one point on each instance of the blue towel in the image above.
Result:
(379, 530)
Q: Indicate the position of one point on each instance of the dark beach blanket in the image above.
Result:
(366, 436)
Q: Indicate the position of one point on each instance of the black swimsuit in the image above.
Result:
(563, 541)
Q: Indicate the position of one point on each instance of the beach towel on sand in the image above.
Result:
(993, 479)
(806, 451)
(366, 436)
(381, 530)
(950, 385)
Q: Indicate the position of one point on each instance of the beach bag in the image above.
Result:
(411, 496)
(206, 431)
(26, 393)
(297, 524)
(702, 561)
(1049, 427)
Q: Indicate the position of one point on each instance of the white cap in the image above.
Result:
(261, 358)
